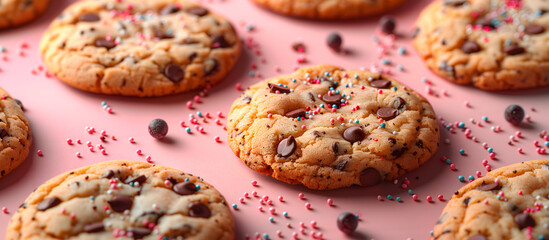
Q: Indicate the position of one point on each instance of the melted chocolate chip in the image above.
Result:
(513, 49)
(199, 210)
(380, 83)
(172, 8)
(174, 73)
(341, 165)
(286, 147)
(335, 148)
(301, 112)
(121, 203)
(454, 3)
(3, 133)
(354, 134)
(534, 29)
(489, 186)
(218, 41)
(89, 17)
(387, 113)
(210, 66)
(139, 233)
(524, 220)
(141, 179)
(370, 177)
(48, 203)
(109, 174)
(332, 99)
(104, 43)
(94, 227)
(398, 152)
(198, 11)
(184, 188)
(470, 47)
(399, 103)
(275, 87)
(466, 201)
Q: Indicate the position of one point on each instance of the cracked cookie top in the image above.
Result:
(139, 47)
(123, 200)
(326, 127)
(492, 45)
(508, 203)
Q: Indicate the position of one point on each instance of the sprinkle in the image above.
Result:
(330, 202)
(217, 139)
(235, 206)
(398, 199)
(39, 152)
(461, 124)
(429, 199)
(410, 192)
(461, 178)
(462, 152)
(440, 197)
(308, 206)
(254, 183)
(471, 178)
(131, 140)
(389, 197)
(285, 214)
(414, 197)
(301, 196)
(188, 130)
(78, 154)
(490, 150)
(5, 210)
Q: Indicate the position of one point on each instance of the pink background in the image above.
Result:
(57, 112)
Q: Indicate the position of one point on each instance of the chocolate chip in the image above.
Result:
(162, 34)
(301, 112)
(199, 210)
(172, 8)
(298, 47)
(380, 83)
(141, 179)
(334, 41)
(286, 147)
(524, 220)
(534, 29)
(478, 237)
(48, 203)
(470, 47)
(399, 103)
(89, 17)
(466, 201)
(275, 87)
(139, 232)
(109, 174)
(104, 43)
(3, 133)
(184, 188)
(218, 41)
(354, 134)
(387, 113)
(335, 148)
(174, 73)
(121, 203)
(396, 153)
(341, 165)
(370, 177)
(20, 104)
(387, 25)
(198, 11)
(332, 99)
(94, 227)
(485, 22)
(454, 3)
(513, 49)
(210, 66)
(489, 186)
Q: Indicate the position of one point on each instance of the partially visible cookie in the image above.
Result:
(139, 47)
(15, 134)
(123, 200)
(330, 9)
(492, 45)
(326, 127)
(16, 12)
(508, 203)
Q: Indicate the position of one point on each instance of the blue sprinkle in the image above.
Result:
(461, 178)
(389, 197)
(266, 236)
(199, 114)
(271, 219)
(471, 178)
(342, 100)
(448, 161)
(197, 187)
(188, 129)
(382, 125)
(285, 214)
(293, 80)
(143, 17)
(280, 84)
(337, 91)
(334, 105)
(461, 151)
(541, 237)
(547, 144)
(343, 95)
(235, 206)
(2, 49)
(103, 103)
(307, 74)
(448, 127)
(131, 184)
(321, 105)
(346, 85)
(331, 88)
(298, 119)
(538, 14)
(251, 73)
(336, 83)
(401, 50)
(398, 199)
(285, 86)
(485, 119)
(356, 121)
(395, 88)
(249, 27)
(424, 79)
(400, 68)
(461, 124)
(410, 192)
(186, 179)
(327, 74)
(431, 233)
(385, 61)
(490, 150)
(356, 76)
(356, 215)
(169, 32)
(507, 42)
(498, 197)
(92, 198)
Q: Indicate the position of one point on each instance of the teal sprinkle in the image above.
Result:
(356, 76)
(188, 129)
(331, 88)
(389, 197)
(266, 236)
(321, 105)
(169, 32)
(347, 85)
(271, 219)
(356, 215)
(336, 83)
(448, 127)
(334, 105)
(165, 238)
(2, 49)
(92, 198)
(461, 124)
(343, 95)
(401, 50)
(485, 118)
(186, 179)
(293, 80)
(197, 187)
(356, 121)
(235, 206)
(131, 184)
(398, 199)
(251, 73)
(538, 14)
(385, 61)
(280, 84)
(424, 79)
(382, 125)
(431, 233)
(541, 237)
(103, 103)
(507, 42)
(461, 151)
(410, 192)
(327, 74)
(199, 114)
(471, 178)
(400, 68)
(498, 197)
(490, 150)
(143, 17)
(298, 119)
(285, 214)
(342, 100)
(448, 161)
(307, 74)
(547, 144)
(337, 91)
(285, 86)
(461, 178)
(395, 88)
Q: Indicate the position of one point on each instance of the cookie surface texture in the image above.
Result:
(492, 45)
(508, 203)
(330, 9)
(139, 47)
(123, 200)
(326, 127)
(17, 12)
(15, 134)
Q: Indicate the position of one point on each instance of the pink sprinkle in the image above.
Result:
(519, 192)
(453, 167)
(131, 140)
(440, 197)
(39, 152)
(196, 99)
(103, 152)
(139, 152)
(429, 199)
(269, 115)
(254, 183)
(280, 198)
(379, 198)
(5, 210)
(148, 159)
(536, 143)
(265, 198)
(518, 134)
(69, 141)
(488, 168)
(270, 202)
(414, 197)
(238, 86)
(486, 202)
(479, 174)
(78, 154)
(272, 211)
(301, 196)
(260, 208)
(189, 105)
(484, 162)
(492, 155)
(167, 182)
(254, 193)
(217, 139)
(313, 224)
(246, 195)
(308, 206)
(519, 150)
(330, 202)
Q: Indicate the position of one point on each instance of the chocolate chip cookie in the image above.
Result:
(330, 9)
(15, 134)
(509, 203)
(16, 12)
(492, 45)
(326, 127)
(139, 47)
(123, 200)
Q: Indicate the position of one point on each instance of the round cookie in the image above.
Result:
(17, 12)
(329, 9)
(492, 45)
(123, 200)
(15, 134)
(508, 203)
(326, 127)
(139, 47)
